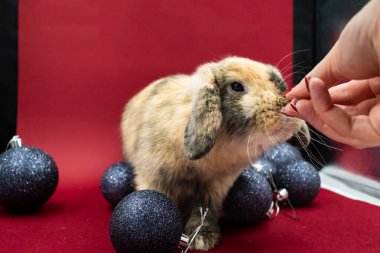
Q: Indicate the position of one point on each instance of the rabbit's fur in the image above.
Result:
(190, 136)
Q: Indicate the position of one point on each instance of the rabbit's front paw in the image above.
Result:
(205, 241)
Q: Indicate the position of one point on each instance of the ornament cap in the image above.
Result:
(184, 242)
(15, 142)
(282, 195)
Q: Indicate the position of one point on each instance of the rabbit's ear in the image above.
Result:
(206, 115)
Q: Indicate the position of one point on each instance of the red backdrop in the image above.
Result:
(80, 61)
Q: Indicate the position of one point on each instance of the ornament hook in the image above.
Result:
(272, 212)
(15, 142)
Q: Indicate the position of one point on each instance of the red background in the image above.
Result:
(80, 61)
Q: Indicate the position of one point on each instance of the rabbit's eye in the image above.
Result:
(237, 86)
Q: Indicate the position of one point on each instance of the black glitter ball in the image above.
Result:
(265, 167)
(249, 199)
(117, 182)
(301, 180)
(28, 178)
(146, 221)
(282, 154)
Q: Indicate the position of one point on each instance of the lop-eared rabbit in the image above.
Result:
(190, 136)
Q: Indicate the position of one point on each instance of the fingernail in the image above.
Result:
(293, 104)
(284, 110)
(307, 79)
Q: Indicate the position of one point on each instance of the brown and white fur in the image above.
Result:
(190, 136)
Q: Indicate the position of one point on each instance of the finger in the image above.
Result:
(362, 108)
(324, 70)
(290, 109)
(374, 83)
(333, 116)
(357, 131)
(354, 97)
(307, 113)
(354, 92)
(363, 133)
(374, 118)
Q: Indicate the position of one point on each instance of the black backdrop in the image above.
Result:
(8, 70)
(317, 24)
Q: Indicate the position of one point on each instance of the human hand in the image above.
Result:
(356, 54)
(349, 112)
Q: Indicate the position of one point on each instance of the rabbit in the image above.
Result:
(190, 136)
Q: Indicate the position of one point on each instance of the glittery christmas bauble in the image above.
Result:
(28, 178)
(249, 199)
(282, 154)
(146, 221)
(117, 182)
(301, 179)
(264, 167)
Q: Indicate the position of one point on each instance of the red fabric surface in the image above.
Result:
(80, 61)
(76, 220)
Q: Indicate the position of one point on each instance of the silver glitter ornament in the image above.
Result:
(250, 198)
(28, 177)
(301, 179)
(282, 154)
(264, 167)
(146, 221)
(117, 182)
